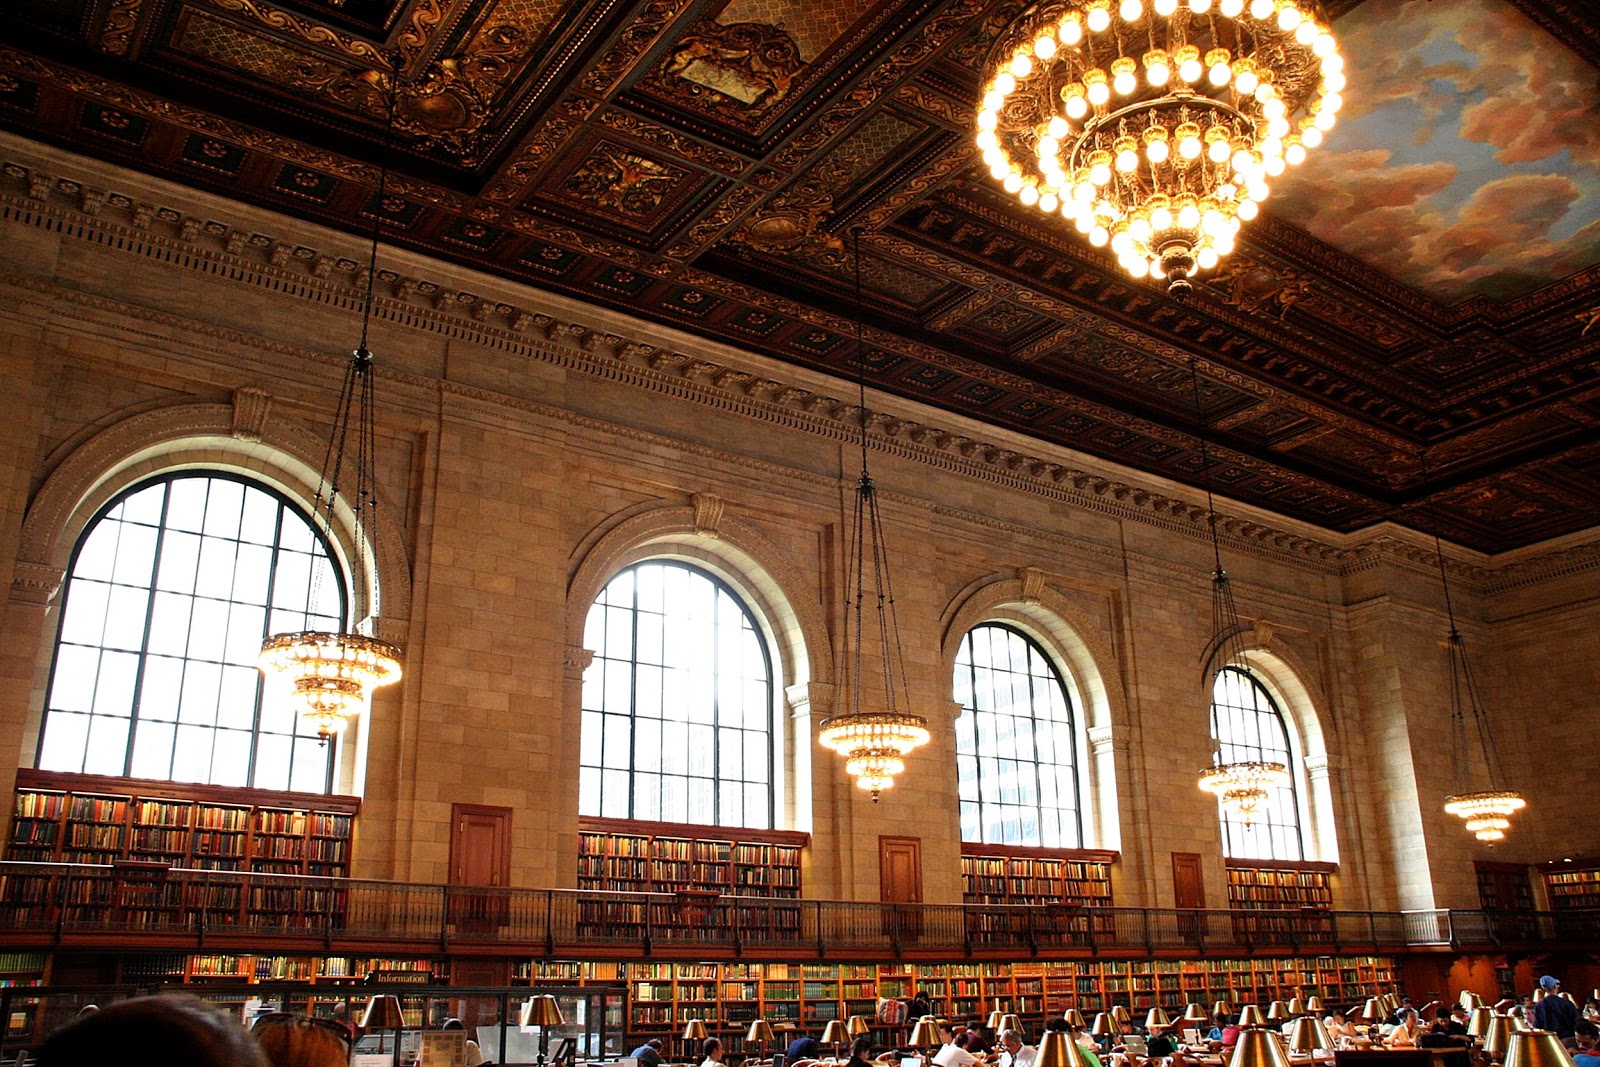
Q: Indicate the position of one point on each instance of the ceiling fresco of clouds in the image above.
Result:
(1466, 161)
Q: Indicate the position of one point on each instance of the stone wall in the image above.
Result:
(530, 446)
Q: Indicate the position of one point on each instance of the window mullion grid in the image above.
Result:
(633, 714)
(144, 645)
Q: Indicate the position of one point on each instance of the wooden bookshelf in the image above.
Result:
(1572, 885)
(141, 828)
(1305, 887)
(661, 997)
(1061, 881)
(698, 865)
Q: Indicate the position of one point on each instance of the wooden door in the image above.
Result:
(900, 882)
(480, 856)
(1188, 891)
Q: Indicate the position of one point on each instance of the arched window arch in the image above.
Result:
(1016, 742)
(678, 703)
(171, 588)
(1247, 725)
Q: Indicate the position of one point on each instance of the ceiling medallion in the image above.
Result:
(1155, 126)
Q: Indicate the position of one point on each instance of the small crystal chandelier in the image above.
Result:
(874, 744)
(1243, 786)
(332, 675)
(1487, 812)
(1154, 125)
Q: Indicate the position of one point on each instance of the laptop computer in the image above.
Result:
(1135, 1045)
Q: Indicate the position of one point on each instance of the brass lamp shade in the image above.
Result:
(1156, 1019)
(1009, 1021)
(1074, 1018)
(1277, 1012)
(1105, 1025)
(760, 1032)
(1537, 1048)
(1297, 1006)
(1538, 995)
(835, 1033)
(1309, 1035)
(1259, 1048)
(544, 1012)
(993, 1022)
(1372, 1011)
(926, 1033)
(1478, 1021)
(1314, 1004)
(1221, 1007)
(1194, 1013)
(1517, 1023)
(1119, 1013)
(1504, 1004)
(858, 1025)
(693, 1029)
(1497, 1036)
(1250, 1015)
(1057, 1050)
(1567, 997)
(1469, 1000)
(382, 1013)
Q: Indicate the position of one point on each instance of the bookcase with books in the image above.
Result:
(137, 829)
(1304, 887)
(1572, 885)
(662, 997)
(697, 864)
(1061, 882)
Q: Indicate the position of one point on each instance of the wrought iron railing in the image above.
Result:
(47, 904)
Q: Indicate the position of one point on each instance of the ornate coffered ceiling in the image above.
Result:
(702, 164)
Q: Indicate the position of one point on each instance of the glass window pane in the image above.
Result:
(147, 651)
(1017, 720)
(686, 690)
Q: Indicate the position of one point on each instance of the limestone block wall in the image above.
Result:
(531, 446)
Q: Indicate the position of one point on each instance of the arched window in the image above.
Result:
(1016, 743)
(171, 589)
(677, 705)
(1246, 725)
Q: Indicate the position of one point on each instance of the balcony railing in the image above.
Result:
(45, 904)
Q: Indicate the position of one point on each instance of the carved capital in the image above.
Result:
(810, 699)
(708, 509)
(1318, 767)
(1102, 740)
(250, 407)
(574, 661)
(35, 583)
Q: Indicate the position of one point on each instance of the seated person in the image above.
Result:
(1406, 1032)
(1439, 1036)
(803, 1047)
(860, 1051)
(291, 1040)
(1340, 1029)
(956, 1053)
(1587, 1035)
(1160, 1044)
(649, 1053)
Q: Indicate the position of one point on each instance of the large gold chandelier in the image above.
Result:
(1243, 788)
(332, 675)
(873, 741)
(1155, 125)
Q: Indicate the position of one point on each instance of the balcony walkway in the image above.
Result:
(137, 906)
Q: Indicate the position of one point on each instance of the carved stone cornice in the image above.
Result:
(574, 661)
(35, 583)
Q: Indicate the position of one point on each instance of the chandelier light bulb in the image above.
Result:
(1131, 10)
(1231, 9)
(1165, 8)
(1099, 18)
(1045, 46)
(1071, 31)
(1262, 9)
(1199, 7)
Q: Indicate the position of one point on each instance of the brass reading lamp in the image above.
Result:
(1497, 1037)
(1297, 1006)
(1105, 1025)
(383, 1013)
(1278, 1012)
(1259, 1048)
(1314, 1005)
(1058, 1050)
(1194, 1013)
(1009, 1021)
(925, 1036)
(760, 1035)
(543, 1012)
(1074, 1018)
(1537, 1048)
(1469, 1000)
(1120, 1014)
(1309, 1036)
(1221, 1007)
(1156, 1019)
(835, 1034)
(993, 1021)
(1250, 1015)
(858, 1026)
(694, 1031)
(1478, 1021)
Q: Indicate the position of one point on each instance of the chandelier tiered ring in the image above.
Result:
(1155, 125)
(1244, 787)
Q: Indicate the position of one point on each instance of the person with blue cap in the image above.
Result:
(1555, 1012)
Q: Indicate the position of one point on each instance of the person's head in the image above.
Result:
(1549, 984)
(860, 1048)
(712, 1049)
(453, 1024)
(152, 1032)
(299, 1041)
(1011, 1040)
(1337, 1016)
(1587, 1033)
(655, 1043)
(1408, 1017)
(1056, 1024)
